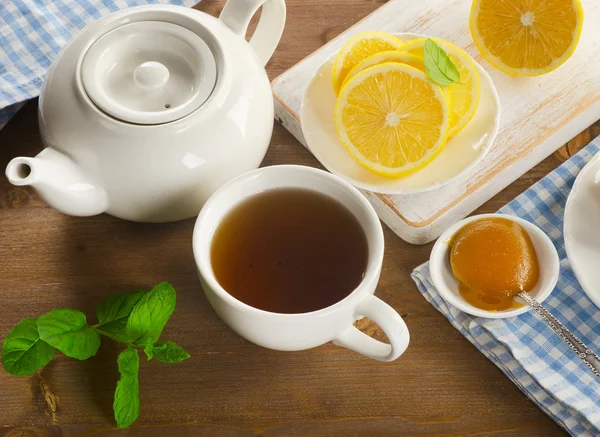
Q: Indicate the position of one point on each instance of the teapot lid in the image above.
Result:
(149, 72)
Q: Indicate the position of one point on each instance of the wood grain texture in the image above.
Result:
(539, 114)
(442, 386)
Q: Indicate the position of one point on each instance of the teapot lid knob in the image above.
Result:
(151, 75)
(149, 72)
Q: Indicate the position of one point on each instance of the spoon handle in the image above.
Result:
(586, 355)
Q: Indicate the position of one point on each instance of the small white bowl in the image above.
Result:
(461, 153)
(446, 284)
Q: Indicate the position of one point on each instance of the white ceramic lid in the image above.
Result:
(149, 72)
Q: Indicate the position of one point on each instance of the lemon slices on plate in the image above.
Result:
(358, 48)
(392, 118)
(526, 37)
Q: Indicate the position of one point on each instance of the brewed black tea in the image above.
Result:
(289, 250)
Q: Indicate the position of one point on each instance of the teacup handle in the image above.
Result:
(237, 15)
(388, 320)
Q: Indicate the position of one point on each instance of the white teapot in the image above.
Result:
(148, 111)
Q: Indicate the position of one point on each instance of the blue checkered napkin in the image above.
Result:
(31, 34)
(524, 347)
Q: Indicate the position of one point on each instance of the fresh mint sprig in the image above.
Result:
(438, 65)
(134, 318)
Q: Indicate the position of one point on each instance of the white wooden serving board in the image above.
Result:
(539, 114)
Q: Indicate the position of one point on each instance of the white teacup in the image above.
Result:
(291, 332)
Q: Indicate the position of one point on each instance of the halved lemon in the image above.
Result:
(389, 56)
(464, 96)
(392, 118)
(360, 47)
(526, 37)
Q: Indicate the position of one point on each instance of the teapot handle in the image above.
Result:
(237, 14)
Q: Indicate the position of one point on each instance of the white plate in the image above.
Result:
(582, 229)
(461, 152)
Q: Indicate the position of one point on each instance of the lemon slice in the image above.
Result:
(360, 47)
(526, 37)
(464, 96)
(392, 119)
(389, 56)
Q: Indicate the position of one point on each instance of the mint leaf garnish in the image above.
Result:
(115, 330)
(149, 350)
(150, 314)
(118, 307)
(126, 404)
(136, 319)
(114, 311)
(67, 331)
(23, 352)
(438, 65)
(169, 352)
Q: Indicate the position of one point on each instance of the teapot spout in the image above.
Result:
(60, 182)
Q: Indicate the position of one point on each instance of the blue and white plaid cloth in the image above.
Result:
(524, 347)
(31, 34)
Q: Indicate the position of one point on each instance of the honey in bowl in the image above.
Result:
(493, 259)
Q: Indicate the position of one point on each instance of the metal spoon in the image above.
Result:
(590, 359)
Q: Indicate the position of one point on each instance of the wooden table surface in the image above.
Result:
(441, 386)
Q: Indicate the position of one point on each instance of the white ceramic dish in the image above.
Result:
(444, 281)
(581, 229)
(461, 152)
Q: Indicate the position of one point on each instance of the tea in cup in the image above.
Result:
(290, 256)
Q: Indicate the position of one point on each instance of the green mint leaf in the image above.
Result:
(113, 312)
(117, 330)
(150, 314)
(23, 352)
(126, 404)
(67, 331)
(149, 349)
(118, 307)
(438, 65)
(169, 352)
